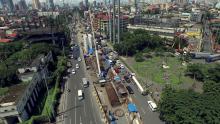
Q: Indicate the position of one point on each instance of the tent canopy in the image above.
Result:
(132, 107)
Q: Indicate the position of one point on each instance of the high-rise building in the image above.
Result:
(36, 4)
(94, 3)
(1, 4)
(86, 4)
(10, 5)
(50, 4)
(22, 5)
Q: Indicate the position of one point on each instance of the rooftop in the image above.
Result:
(13, 95)
(104, 16)
(5, 40)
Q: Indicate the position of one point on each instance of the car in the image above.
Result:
(73, 71)
(71, 57)
(79, 59)
(152, 105)
(122, 66)
(80, 95)
(130, 90)
(69, 70)
(72, 47)
(77, 65)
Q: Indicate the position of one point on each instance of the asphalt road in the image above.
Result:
(86, 110)
(147, 115)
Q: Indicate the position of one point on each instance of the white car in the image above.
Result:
(73, 71)
(122, 66)
(79, 59)
(69, 70)
(152, 105)
(77, 65)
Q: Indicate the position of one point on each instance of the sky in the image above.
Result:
(60, 1)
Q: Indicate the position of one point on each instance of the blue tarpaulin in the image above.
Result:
(90, 51)
(132, 107)
(117, 78)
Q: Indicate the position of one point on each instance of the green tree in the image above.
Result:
(139, 57)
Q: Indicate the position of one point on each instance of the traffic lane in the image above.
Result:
(86, 112)
(83, 107)
(92, 117)
(75, 106)
(141, 101)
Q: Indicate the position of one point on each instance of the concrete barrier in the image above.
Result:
(100, 106)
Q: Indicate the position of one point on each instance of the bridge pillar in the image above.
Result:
(29, 107)
(32, 103)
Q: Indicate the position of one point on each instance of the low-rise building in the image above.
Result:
(185, 17)
(20, 102)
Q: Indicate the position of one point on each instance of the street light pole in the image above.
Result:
(113, 21)
(118, 21)
(110, 21)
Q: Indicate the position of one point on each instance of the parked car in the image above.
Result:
(152, 105)
(79, 59)
(77, 65)
(130, 90)
(73, 71)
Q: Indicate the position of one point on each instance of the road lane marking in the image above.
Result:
(143, 111)
(70, 121)
(93, 107)
(80, 120)
(84, 108)
(75, 110)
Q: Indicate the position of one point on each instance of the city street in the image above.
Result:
(85, 111)
(146, 113)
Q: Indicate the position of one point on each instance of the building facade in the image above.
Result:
(22, 5)
(21, 100)
(7, 5)
(36, 4)
(50, 4)
(86, 4)
(101, 22)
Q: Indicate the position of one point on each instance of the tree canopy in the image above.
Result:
(189, 107)
(9, 66)
(136, 41)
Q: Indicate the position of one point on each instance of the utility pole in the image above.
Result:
(113, 21)
(110, 22)
(118, 21)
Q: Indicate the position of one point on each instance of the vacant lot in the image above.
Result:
(152, 69)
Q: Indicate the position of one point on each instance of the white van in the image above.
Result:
(85, 82)
(80, 94)
(152, 105)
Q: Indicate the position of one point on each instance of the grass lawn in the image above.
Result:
(152, 69)
(49, 101)
(3, 91)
